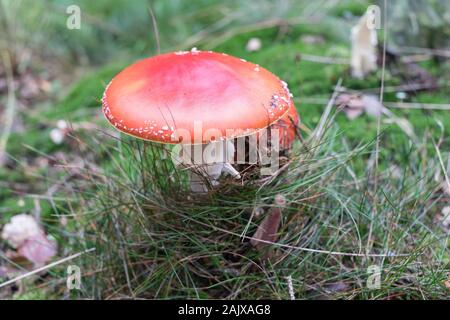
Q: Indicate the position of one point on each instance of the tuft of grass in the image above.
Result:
(154, 239)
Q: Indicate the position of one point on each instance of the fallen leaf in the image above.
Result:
(353, 113)
(355, 105)
(372, 105)
(38, 249)
(30, 241)
(268, 229)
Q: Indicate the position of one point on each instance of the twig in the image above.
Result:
(390, 104)
(434, 52)
(423, 106)
(51, 265)
(323, 59)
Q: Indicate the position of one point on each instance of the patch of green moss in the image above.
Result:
(86, 93)
(356, 8)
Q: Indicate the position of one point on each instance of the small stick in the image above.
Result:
(51, 265)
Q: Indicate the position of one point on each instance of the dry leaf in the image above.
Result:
(372, 105)
(268, 229)
(353, 113)
(355, 105)
(38, 249)
(30, 241)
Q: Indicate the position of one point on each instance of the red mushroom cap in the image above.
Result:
(189, 90)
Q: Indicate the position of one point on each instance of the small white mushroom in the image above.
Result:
(57, 136)
(364, 48)
(253, 44)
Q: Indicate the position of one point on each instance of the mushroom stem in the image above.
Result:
(207, 162)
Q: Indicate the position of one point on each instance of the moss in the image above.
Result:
(356, 8)
(86, 93)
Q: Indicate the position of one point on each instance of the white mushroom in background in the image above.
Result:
(364, 48)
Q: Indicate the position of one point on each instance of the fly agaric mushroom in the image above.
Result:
(200, 100)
